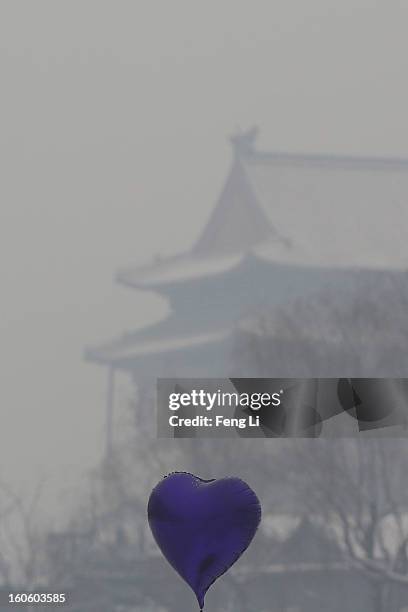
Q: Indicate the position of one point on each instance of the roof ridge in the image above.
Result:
(264, 156)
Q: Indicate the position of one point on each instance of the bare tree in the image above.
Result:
(356, 491)
(359, 330)
(22, 549)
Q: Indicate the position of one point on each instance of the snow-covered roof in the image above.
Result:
(304, 210)
(177, 269)
(291, 211)
(333, 211)
(125, 350)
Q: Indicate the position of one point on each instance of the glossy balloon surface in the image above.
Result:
(202, 526)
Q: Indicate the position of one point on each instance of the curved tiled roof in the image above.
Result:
(297, 209)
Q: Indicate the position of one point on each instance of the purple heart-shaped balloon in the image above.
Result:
(202, 526)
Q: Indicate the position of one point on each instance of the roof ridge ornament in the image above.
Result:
(243, 143)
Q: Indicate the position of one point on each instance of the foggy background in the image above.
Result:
(115, 115)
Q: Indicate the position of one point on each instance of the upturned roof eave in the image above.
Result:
(124, 357)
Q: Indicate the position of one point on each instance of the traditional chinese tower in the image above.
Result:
(284, 225)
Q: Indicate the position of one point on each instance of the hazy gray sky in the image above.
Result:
(114, 117)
